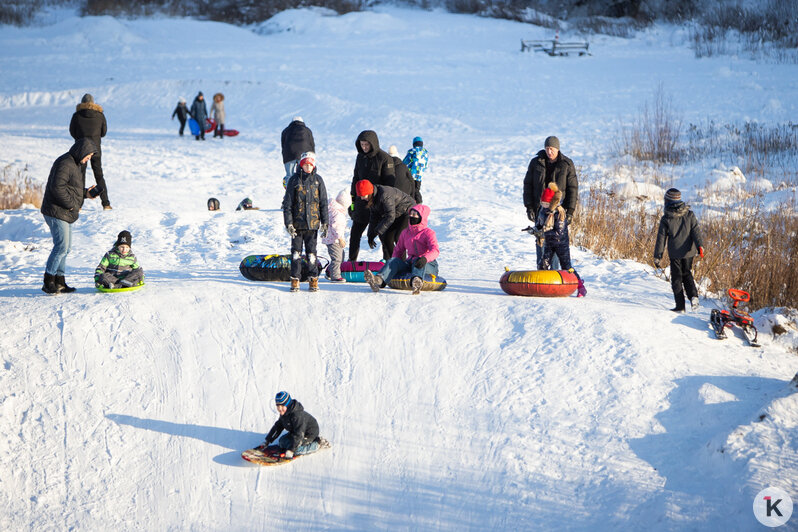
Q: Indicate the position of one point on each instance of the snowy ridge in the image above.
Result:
(464, 409)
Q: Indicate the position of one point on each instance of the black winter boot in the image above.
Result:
(60, 284)
(679, 302)
(49, 286)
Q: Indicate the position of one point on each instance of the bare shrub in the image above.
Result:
(18, 12)
(746, 248)
(654, 135)
(625, 27)
(17, 188)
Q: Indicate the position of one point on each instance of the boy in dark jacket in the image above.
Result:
(552, 223)
(679, 228)
(302, 429)
(305, 214)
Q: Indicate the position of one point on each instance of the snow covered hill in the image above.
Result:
(465, 409)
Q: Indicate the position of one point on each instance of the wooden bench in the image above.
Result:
(556, 48)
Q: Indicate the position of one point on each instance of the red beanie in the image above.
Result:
(547, 196)
(364, 188)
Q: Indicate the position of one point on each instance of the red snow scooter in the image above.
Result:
(720, 319)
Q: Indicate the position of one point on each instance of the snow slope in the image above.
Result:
(465, 409)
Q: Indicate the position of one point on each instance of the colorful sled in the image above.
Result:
(273, 267)
(720, 319)
(274, 456)
(539, 283)
(210, 125)
(353, 271)
(432, 283)
(115, 290)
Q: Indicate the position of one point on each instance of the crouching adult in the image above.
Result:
(416, 252)
(388, 207)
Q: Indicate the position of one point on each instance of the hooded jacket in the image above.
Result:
(88, 121)
(679, 228)
(538, 176)
(389, 204)
(65, 189)
(302, 427)
(199, 111)
(418, 240)
(404, 181)
(305, 201)
(376, 166)
(295, 140)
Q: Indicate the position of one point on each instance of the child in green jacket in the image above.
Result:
(119, 267)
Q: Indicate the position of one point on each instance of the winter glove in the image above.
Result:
(372, 243)
(291, 230)
(323, 230)
(420, 262)
(701, 252)
(656, 263)
(289, 454)
(530, 213)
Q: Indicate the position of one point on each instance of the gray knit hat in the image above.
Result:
(87, 98)
(673, 194)
(552, 142)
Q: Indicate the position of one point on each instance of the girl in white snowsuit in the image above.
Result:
(335, 239)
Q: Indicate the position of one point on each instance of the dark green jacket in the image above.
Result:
(305, 201)
(116, 264)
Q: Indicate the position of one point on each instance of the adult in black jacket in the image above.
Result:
(181, 111)
(303, 429)
(63, 198)
(550, 165)
(199, 112)
(388, 208)
(376, 166)
(403, 178)
(88, 121)
(295, 140)
(679, 228)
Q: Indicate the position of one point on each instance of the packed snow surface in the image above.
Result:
(464, 409)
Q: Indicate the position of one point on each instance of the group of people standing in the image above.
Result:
(199, 112)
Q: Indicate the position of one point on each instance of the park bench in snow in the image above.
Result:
(556, 48)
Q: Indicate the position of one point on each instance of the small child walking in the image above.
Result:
(181, 111)
(119, 267)
(678, 227)
(305, 215)
(417, 160)
(334, 240)
(552, 222)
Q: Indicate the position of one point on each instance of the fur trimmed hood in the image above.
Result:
(91, 106)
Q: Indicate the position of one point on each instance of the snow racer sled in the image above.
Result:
(720, 319)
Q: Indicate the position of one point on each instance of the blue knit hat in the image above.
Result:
(282, 399)
(418, 142)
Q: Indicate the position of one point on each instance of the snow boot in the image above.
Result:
(60, 284)
(694, 303)
(294, 284)
(313, 284)
(374, 281)
(679, 303)
(417, 283)
(49, 286)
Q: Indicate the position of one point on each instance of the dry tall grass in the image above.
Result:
(746, 248)
(17, 188)
(655, 133)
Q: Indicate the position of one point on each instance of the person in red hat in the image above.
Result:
(388, 208)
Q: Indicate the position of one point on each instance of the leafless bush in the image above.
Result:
(654, 135)
(18, 12)
(746, 248)
(625, 27)
(17, 188)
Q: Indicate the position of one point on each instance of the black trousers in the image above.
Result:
(97, 170)
(391, 236)
(182, 125)
(354, 238)
(308, 239)
(682, 276)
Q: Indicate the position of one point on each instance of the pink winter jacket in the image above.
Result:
(338, 219)
(418, 240)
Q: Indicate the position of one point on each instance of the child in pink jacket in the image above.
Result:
(336, 231)
(416, 252)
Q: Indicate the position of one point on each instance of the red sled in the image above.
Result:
(210, 125)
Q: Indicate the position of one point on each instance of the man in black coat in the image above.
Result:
(376, 166)
(550, 165)
(88, 121)
(388, 208)
(63, 198)
(404, 179)
(295, 140)
(199, 112)
(303, 429)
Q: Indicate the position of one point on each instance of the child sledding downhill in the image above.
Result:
(679, 228)
(119, 267)
(305, 214)
(552, 226)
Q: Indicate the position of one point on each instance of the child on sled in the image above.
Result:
(552, 223)
(302, 429)
(119, 267)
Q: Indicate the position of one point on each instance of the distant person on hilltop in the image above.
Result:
(296, 139)
(199, 112)
(181, 111)
(88, 122)
(63, 198)
(417, 160)
(679, 229)
(217, 109)
(374, 165)
(550, 166)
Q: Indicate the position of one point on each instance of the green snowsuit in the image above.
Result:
(118, 271)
